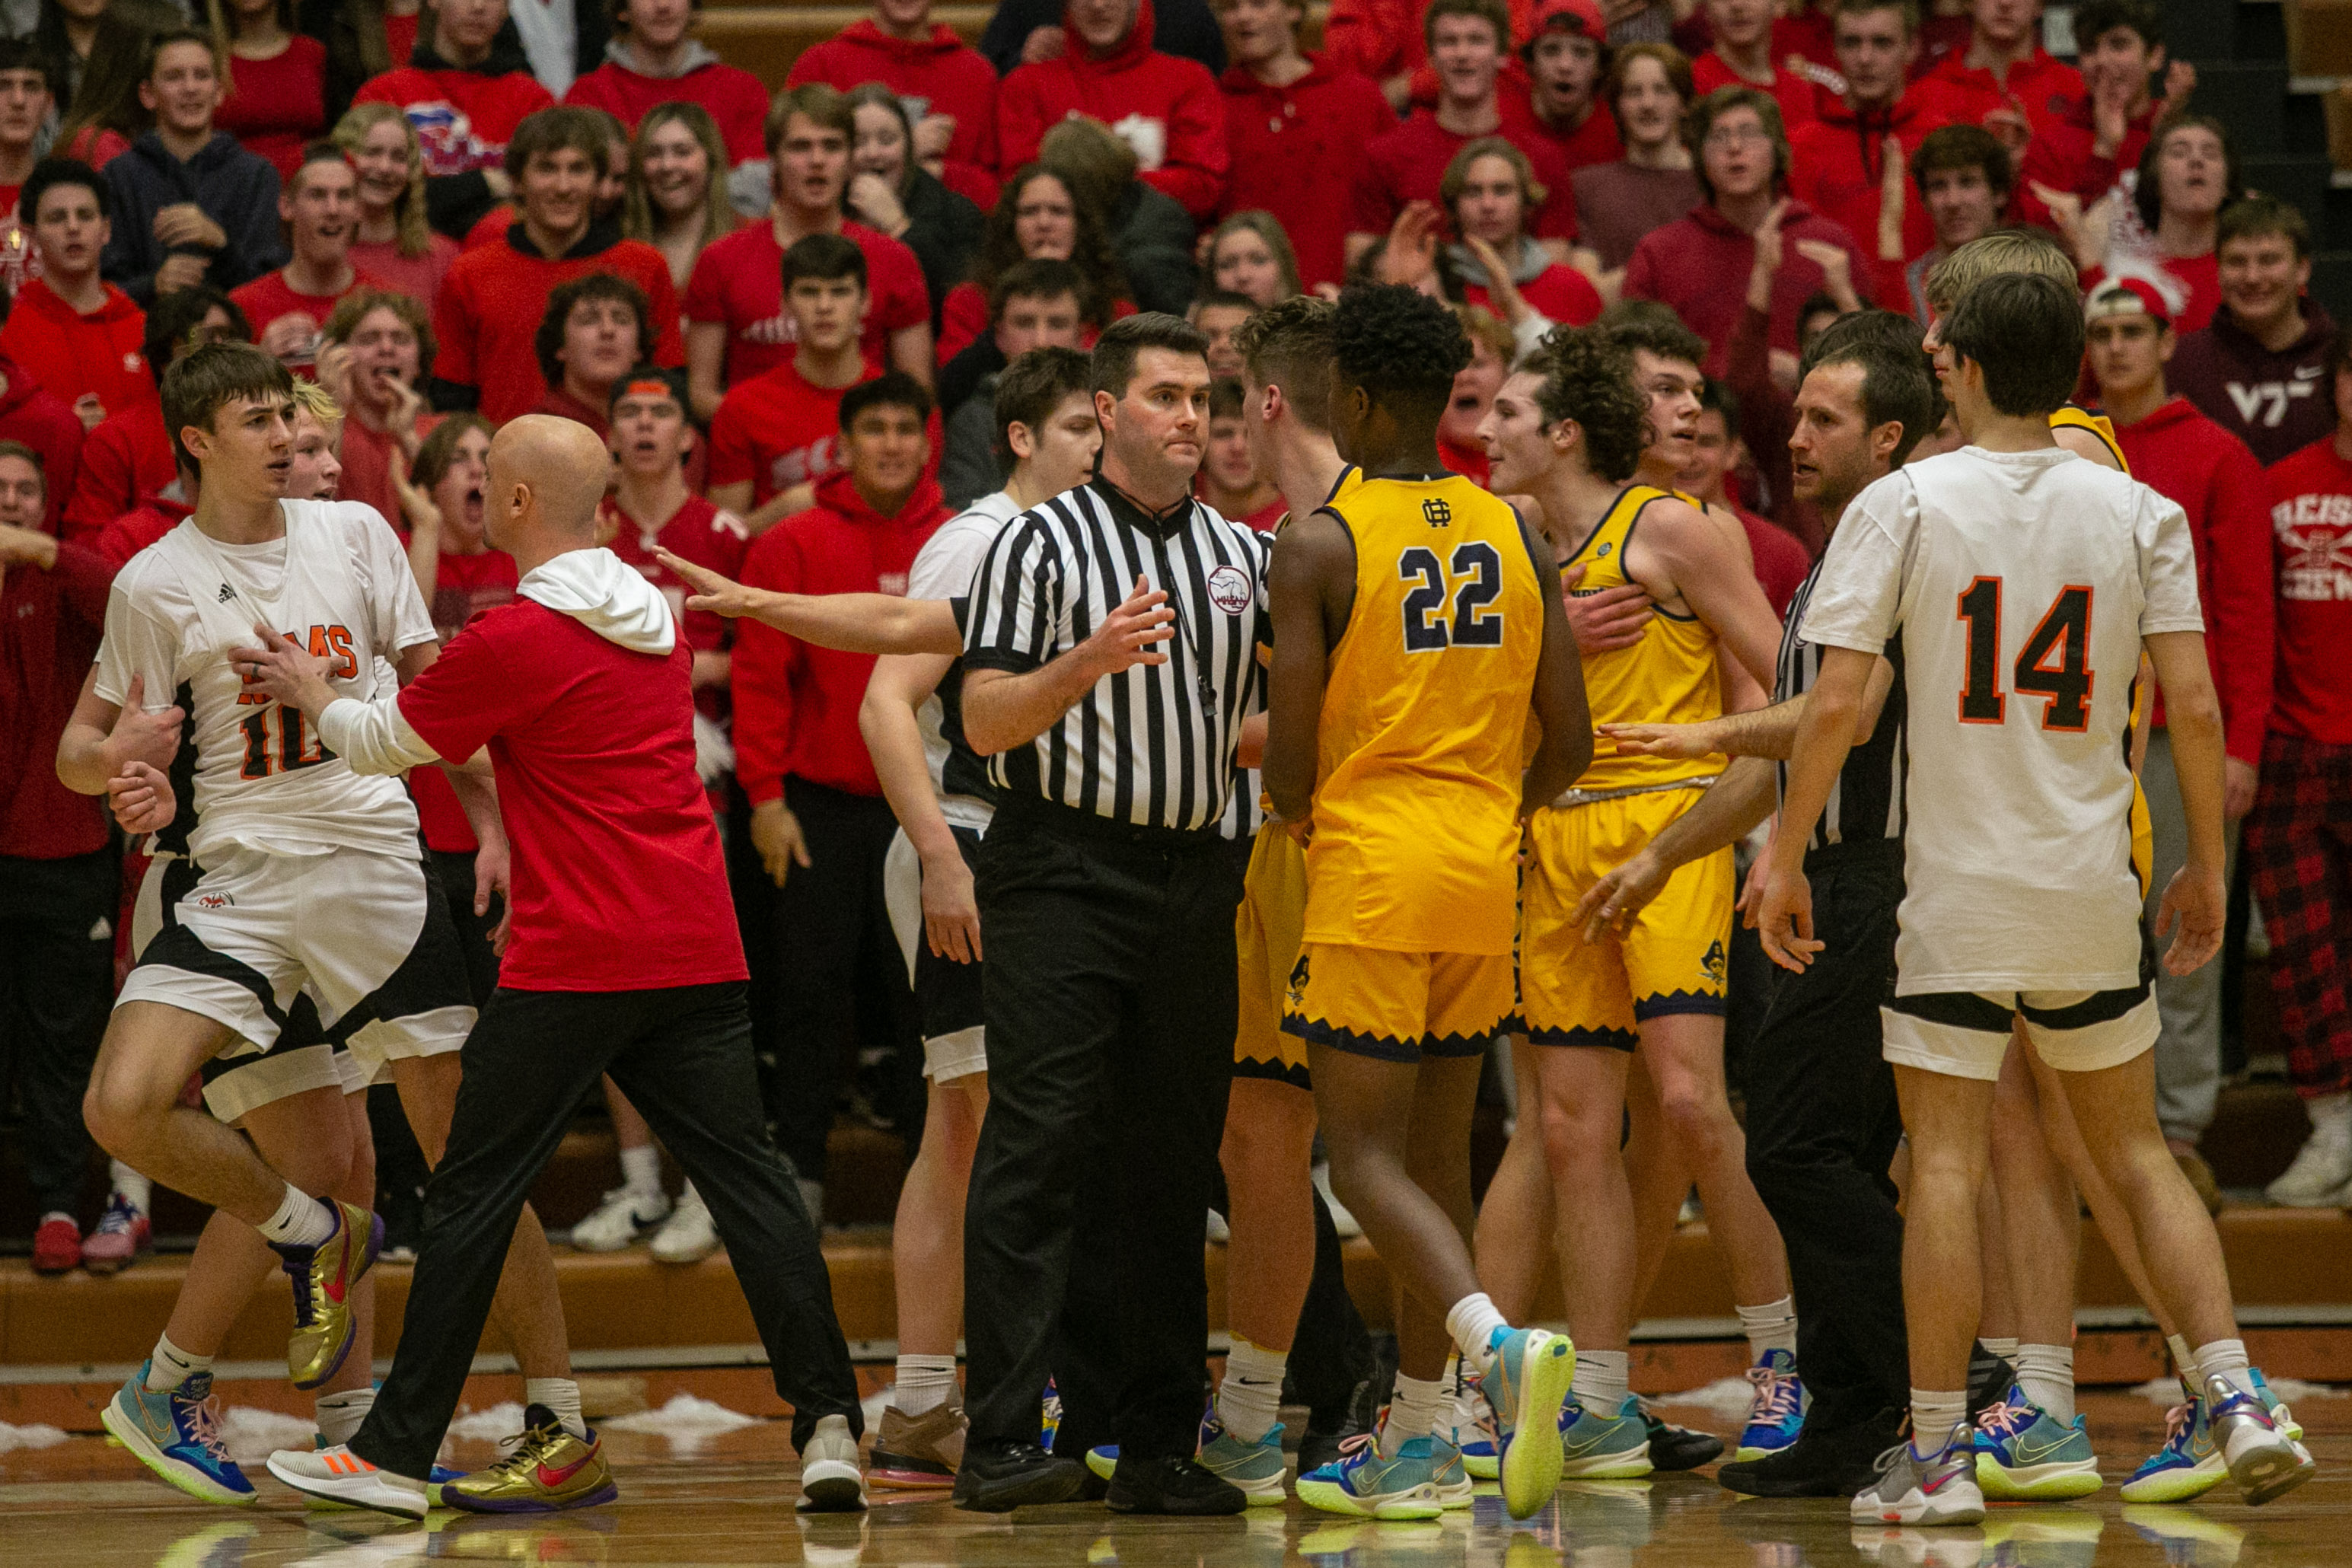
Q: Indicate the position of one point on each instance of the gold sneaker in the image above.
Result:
(324, 1276)
(917, 1452)
(548, 1470)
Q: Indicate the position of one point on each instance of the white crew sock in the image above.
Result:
(925, 1382)
(2226, 1358)
(1603, 1378)
(130, 1185)
(1414, 1410)
(2046, 1373)
(1772, 1327)
(2183, 1360)
(301, 1220)
(1933, 1416)
(340, 1414)
(2330, 1110)
(1473, 1322)
(170, 1366)
(1249, 1400)
(562, 1395)
(641, 1169)
(2001, 1345)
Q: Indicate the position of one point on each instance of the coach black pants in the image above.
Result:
(840, 977)
(1111, 997)
(56, 982)
(1822, 1123)
(683, 1056)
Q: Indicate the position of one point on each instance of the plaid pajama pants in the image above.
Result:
(2298, 848)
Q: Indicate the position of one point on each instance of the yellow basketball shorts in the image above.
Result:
(1266, 927)
(1671, 958)
(1398, 1007)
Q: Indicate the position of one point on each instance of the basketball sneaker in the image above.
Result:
(918, 1452)
(1454, 1487)
(830, 1481)
(123, 1233)
(622, 1219)
(687, 1236)
(1481, 1454)
(324, 1276)
(2187, 1466)
(1525, 1379)
(1674, 1447)
(1367, 1486)
(340, 1476)
(2023, 1454)
(1939, 1487)
(1776, 1411)
(1597, 1448)
(2263, 1460)
(1257, 1468)
(175, 1432)
(546, 1470)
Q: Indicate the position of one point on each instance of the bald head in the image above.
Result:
(547, 476)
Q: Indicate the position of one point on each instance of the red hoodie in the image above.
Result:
(1162, 105)
(1700, 265)
(70, 354)
(49, 626)
(464, 119)
(736, 102)
(30, 412)
(795, 703)
(1294, 155)
(948, 75)
(2184, 456)
(2040, 86)
(1835, 163)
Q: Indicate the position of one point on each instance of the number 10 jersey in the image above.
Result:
(2021, 584)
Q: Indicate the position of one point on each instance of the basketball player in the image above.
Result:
(1417, 623)
(1576, 425)
(941, 794)
(2026, 755)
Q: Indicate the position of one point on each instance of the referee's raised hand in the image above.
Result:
(1130, 634)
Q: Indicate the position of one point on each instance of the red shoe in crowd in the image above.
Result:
(122, 1234)
(57, 1245)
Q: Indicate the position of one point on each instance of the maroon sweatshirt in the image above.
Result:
(50, 627)
(1700, 265)
(2275, 402)
(2186, 456)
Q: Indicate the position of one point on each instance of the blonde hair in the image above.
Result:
(637, 209)
(2025, 250)
(1486, 327)
(411, 233)
(317, 402)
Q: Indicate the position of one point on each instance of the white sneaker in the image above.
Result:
(1341, 1220)
(2321, 1174)
(338, 1475)
(623, 1216)
(830, 1481)
(688, 1237)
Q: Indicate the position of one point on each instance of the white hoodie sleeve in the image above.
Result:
(374, 737)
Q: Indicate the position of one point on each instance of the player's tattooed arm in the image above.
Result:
(1310, 590)
(1759, 732)
(852, 623)
(1826, 731)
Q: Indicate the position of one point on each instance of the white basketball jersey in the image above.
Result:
(2021, 584)
(339, 585)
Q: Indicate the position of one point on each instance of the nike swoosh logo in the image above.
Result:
(553, 1478)
(2034, 1454)
(1575, 1450)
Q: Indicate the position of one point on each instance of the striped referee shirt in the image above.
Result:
(1866, 803)
(1153, 745)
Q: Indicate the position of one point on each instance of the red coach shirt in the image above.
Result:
(738, 283)
(492, 301)
(618, 880)
(2311, 548)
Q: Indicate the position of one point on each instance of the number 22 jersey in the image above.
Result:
(1424, 722)
(2021, 584)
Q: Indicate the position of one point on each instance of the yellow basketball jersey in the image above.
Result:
(2070, 417)
(1424, 712)
(1670, 677)
(2143, 827)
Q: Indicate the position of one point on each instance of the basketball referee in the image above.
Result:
(1108, 892)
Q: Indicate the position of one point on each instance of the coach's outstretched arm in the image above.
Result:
(1758, 732)
(851, 623)
(2195, 899)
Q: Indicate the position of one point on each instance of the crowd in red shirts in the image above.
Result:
(457, 216)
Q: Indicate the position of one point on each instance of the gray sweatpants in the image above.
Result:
(2188, 1051)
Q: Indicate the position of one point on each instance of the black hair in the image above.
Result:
(1964, 146)
(1400, 347)
(1898, 380)
(892, 389)
(2025, 332)
(1650, 325)
(1029, 390)
(1715, 393)
(823, 257)
(51, 173)
(2147, 194)
(208, 379)
(1588, 376)
(1043, 279)
(1124, 340)
(2095, 19)
(1212, 295)
(547, 343)
(24, 54)
(181, 311)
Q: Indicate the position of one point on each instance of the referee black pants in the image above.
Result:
(1822, 1123)
(56, 982)
(683, 1056)
(1111, 1000)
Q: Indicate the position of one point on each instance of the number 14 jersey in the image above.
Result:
(2021, 584)
(1425, 723)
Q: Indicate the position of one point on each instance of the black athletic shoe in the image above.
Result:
(1819, 1463)
(997, 1477)
(1173, 1484)
(1988, 1380)
(1676, 1447)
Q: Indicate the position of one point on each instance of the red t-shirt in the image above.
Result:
(463, 119)
(269, 296)
(738, 283)
(1793, 92)
(275, 106)
(1594, 141)
(1780, 562)
(737, 101)
(1293, 152)
(1408, 164)
(778, 431)
(125, 461)
(367, 467)
(619, 884)
(2311, 536)
(1560, 292)
(696, 531)
(463, 587)
(490, 305)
